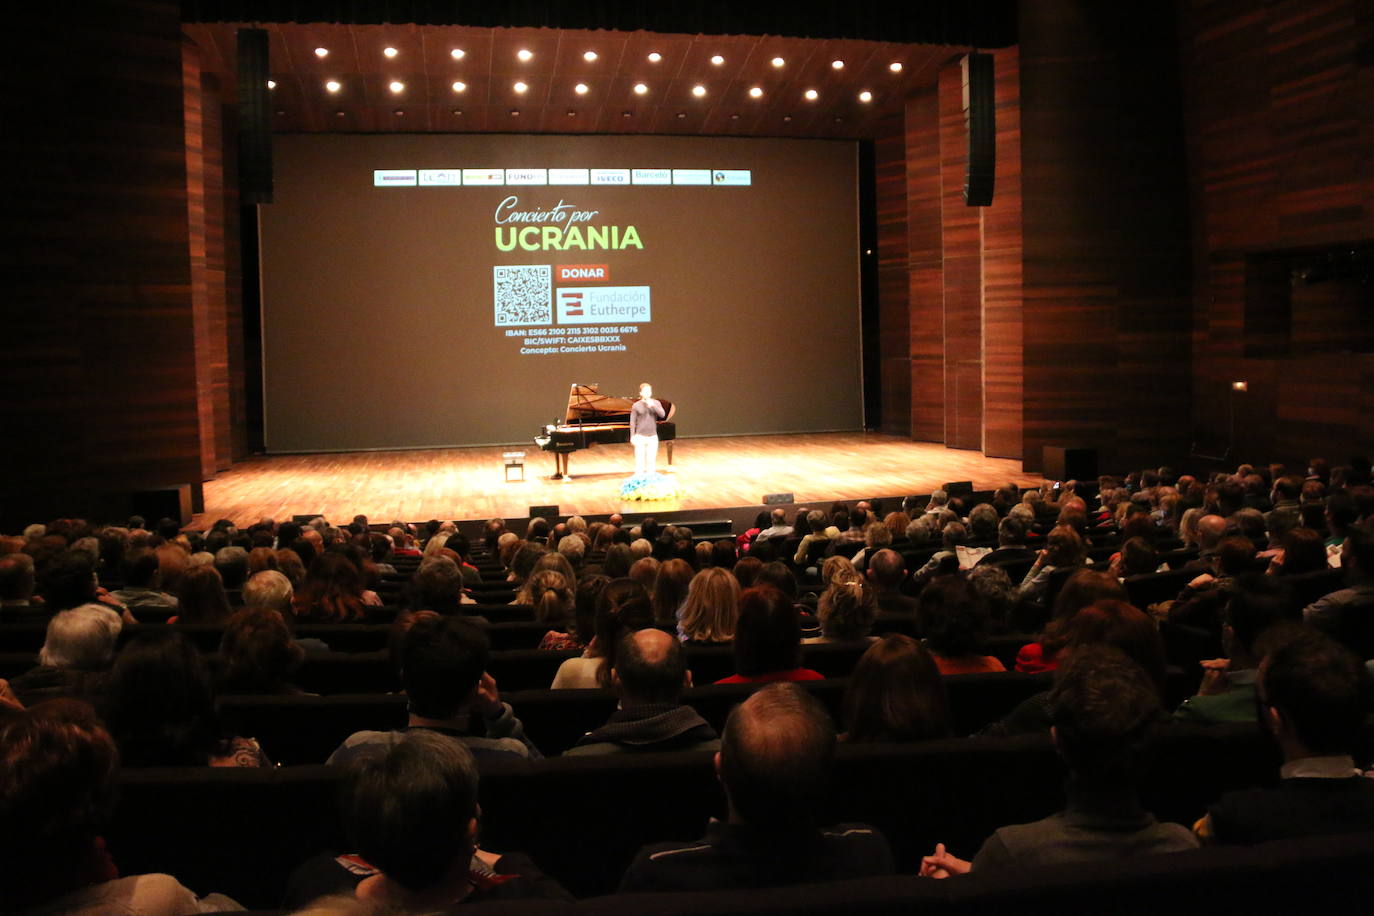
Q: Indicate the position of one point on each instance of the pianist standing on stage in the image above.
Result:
(644, 417)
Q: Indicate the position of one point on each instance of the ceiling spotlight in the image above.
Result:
(589, 56)
(339, 112)
(520, 87)
(571, 113)
(459, 86)
(333, 85)
(457, 53)
(641, 88)
(281, 111)
(515, 112)
(895, 66)
(399, 112)
(865, 96)
(680, 114)
(812, 95)
(756, 92)
(626, 114)
(580, 89)
(524, 54)
(458, 111)
(837, 64)
(698, 90)
(390, 52)
(271, 84)
(396, 86)
(321, 52)
(778, 61)
(717, 60)
(786, 118)
(655, 57)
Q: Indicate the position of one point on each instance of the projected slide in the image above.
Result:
(723, 271)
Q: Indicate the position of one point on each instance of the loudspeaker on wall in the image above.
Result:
(980, 121)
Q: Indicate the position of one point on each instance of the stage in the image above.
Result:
(469, 483)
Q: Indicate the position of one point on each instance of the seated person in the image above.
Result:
(768, 640)
(57, 769)
(953, 616)
(1257, 605)
(75, 658)
(846, 610)
(1105, 711)
(774, 764)
(17, 584)
(886, 572)
(896, 693)
(443, 670)
(1357, 562)
(1313, 696)
(411, 812)
(649, 673)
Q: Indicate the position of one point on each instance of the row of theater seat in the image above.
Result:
(582, 819)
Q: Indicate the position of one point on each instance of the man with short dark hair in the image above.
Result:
(774, 764)
(650, 671)
(1313, 696)
(1011, 543)
(443, 671)
(412, 814)
(1106, 712)
(1357, 561)
(438, 586)
(142, 582)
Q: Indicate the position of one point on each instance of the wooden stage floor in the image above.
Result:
(468, 483)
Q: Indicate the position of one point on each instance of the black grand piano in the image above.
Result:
(593, 418)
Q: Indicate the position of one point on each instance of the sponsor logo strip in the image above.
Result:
(393, 178)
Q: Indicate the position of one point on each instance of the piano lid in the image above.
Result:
(587, 405)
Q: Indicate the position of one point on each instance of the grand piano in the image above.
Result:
(593, 418)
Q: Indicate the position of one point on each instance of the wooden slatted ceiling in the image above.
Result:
(489, 67)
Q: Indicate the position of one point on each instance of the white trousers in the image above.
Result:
(646, 453)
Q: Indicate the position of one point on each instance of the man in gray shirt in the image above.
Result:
(644, 416)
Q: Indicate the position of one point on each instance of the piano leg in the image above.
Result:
(669, 443)
(557, 466)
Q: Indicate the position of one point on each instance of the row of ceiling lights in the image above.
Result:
(526, 55)
(756, 92)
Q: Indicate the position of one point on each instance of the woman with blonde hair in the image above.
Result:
(553, 600)
(846, 611)
(549, 562)
(837, 569)
(712, 607)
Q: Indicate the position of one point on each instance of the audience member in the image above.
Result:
(1314, 696)
(201, 598)
(768, 640)
(143, 583)
(75, 658)
(953, 619)
(411, 813)
(886, 572)
(669, 593)
(711, 611)
(17, 584)
(258, 655)
(774, 764)
(443, 671)
(649, 675)
(896, 693)
(846, 611)
(1105, 712)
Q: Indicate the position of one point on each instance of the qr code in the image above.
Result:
(524, 295)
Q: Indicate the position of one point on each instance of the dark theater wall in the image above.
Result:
(1280, 116)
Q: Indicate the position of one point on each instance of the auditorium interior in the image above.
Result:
(1102, 264)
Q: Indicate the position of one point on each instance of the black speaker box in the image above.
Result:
(777, 499)
(549, 512)
(1060, 463)
(255, 118)
(980, 121)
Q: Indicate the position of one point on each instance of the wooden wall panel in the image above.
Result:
(1278, 100)
(1105, 259)
(194, 127)
(962, 239)
(97, 349)
(893, 311)
(925, 265)
(216, 268)
(1002, 272)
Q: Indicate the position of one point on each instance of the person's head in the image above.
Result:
(768, 634)
(778, 576)
(1235, 555)
(619, 558)
(1082, 588)
(847, 609)
(650, 667)
(552, 597)
(573, 548)
(1011, 531)
(412, 811)
(140, 569)
(437, 586)
(160, 706)
(952, 617)
(995, 589)
(232, 564)
(1210, 530)
(1303, 552)
(886, 569)
(774, 759)
(1105, 711)
(983, 522)
(17, 579)
(68, 580)
(622, 607)
(57, 773)
(896, 693)
(257, 652)
(646, 390)
(332, 590)
(1064, 547)
(1314, 695)
(442, 660)
(670, 590)
(1138, 557)
(877, 536)
(201, 598)
(711, 609)
(268, 590)
(1357, 555)
(82, 638)
(1118, 624)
